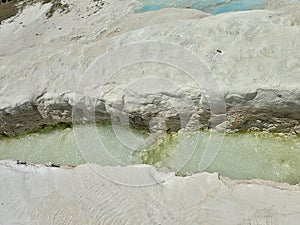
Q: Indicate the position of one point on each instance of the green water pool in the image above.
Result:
(242, 155)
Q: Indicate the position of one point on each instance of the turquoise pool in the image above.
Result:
(209, 6)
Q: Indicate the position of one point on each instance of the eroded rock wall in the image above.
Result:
(253, 57)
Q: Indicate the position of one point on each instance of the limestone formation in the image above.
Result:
(252, 56)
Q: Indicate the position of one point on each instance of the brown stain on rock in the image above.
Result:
(10, 8)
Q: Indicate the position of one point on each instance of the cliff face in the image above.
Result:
(250, 60)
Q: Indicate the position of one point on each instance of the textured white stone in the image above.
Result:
(40, 195)
(257, 68)
(253, 56)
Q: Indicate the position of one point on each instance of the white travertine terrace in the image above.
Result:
(40, 195)
(254, 56)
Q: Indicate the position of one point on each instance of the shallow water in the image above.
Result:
(209, 6)
(242, 156)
